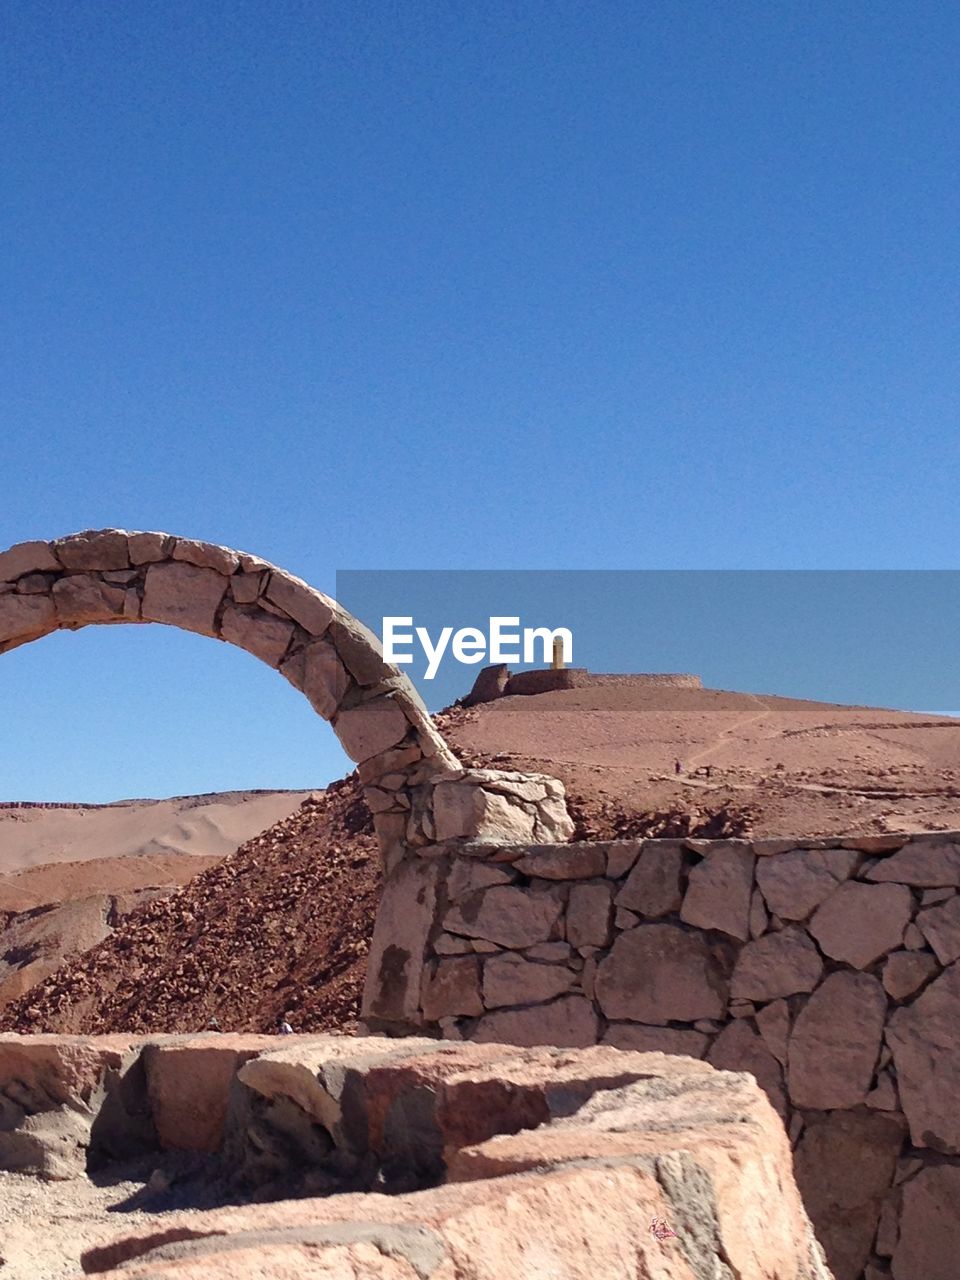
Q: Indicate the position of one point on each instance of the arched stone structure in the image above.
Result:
(414, 784)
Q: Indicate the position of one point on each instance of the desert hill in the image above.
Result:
(284, 923)
(796, 767)
(123, 856)
(205, 826)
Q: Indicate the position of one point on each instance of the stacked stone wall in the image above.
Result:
(829, 969)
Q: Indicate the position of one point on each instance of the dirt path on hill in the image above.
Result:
(733, 730)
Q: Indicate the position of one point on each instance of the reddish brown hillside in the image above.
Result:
(283, 924)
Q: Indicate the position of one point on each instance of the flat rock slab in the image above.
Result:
(599, 1142)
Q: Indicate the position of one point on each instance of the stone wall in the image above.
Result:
(828, 969)
(499, 682)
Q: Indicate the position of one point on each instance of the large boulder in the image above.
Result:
(597, 1144)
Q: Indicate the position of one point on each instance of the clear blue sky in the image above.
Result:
(447, 285)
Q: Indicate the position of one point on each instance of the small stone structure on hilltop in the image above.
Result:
(500, 682)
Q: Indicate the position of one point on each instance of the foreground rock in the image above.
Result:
(506, 1161)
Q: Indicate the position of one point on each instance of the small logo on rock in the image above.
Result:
(660, 1231)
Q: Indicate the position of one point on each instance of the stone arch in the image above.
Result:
(114, 576)
(414, 785)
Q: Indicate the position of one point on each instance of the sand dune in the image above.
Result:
(209, 826)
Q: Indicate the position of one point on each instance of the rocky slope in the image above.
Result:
(282, 926)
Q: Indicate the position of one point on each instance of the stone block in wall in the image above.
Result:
(845, 1164)
(719, 891)
(758, 915)
(929, 1241)
(836, 1042)
(906, 972)
(85, 597)
(653, 887)
(552, 952)
(149, 548)
(246, 587)
(859, 923)
(588, 914)
(621, 856)
(773, 1023)
(509, 916)
(498, 807)
(580, 861)
(795, 883)
(884, 1095)
(925, 1039)
(183, 595)
(925, 864)
(93, 550)
(646, 1039)
(395, 965)
(463, 810)
(940, 925)
(22, 616)
(451, 988)
(371, 728)
(359, 648)
(27, 557)
(512, 980)
(658, 973)
(913, 939)
(313, 611)
(569, 1022)
(467, 875)
(739, 1048)
(778, 964)
(261, 634)
(206, 555)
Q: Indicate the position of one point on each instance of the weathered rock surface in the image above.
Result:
(719, 891)
(796, 882)
(508, 916)
(927, 864)
(658, 973)
(511, 980)
(858, 923)
(739, 1048)
(607, 1141)
(906, 971)
(653, 886)
(836, 1042)
(845, 1164)
(940, 925)
(925, 1040)
(569, 1021)
(929, 1237)
(778, 964)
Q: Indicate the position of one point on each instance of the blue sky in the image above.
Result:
(458, 286)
